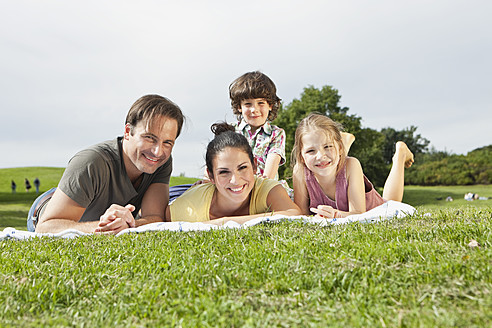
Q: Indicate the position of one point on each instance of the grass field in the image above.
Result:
(420, 271)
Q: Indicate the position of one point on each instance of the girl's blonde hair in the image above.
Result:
(331, 129)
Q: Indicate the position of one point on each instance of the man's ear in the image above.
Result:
(128, 131)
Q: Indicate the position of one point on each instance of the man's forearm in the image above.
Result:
(148, 219)
(58, 225)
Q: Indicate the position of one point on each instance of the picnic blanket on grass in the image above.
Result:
(386, 211)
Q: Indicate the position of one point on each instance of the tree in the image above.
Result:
(415, 142)
(441, 168)
(368, 145)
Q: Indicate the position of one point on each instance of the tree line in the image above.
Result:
(375, 149)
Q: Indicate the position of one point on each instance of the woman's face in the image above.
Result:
(233, 175)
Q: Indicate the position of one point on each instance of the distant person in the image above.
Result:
(13, 185)
(28, 185)
(470, 196)
(37, 183)
(119, 183)
(234, 192)
(332, 185)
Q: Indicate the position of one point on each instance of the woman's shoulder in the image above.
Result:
(262, 183)
(196, 191)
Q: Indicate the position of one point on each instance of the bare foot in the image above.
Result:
(403, 151)
(348, 140)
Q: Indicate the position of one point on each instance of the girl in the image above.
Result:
(234, 193)
(332, 185)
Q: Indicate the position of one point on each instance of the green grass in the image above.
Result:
(435, 197)
(414, 272)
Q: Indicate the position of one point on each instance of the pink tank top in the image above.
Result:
(318, 197)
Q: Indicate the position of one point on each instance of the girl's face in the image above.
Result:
(255, 112)
(233, 175)
(320, 154)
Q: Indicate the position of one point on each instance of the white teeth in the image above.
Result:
(237, 189)
(150, 159)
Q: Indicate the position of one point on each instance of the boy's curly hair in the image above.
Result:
(253, 85)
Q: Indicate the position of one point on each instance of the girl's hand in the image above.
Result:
(325, 212)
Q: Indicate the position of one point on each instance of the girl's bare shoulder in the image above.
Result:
(352, 161)
(353, 165)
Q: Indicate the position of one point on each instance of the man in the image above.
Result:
(37, 183)
(106, 186)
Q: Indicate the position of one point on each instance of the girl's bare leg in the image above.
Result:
(348, 140)
(393, 188)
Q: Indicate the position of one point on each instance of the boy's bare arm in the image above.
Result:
(271, 166)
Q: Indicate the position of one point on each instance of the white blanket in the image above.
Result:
(388, 210)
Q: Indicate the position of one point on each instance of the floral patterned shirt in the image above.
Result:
(268, 139)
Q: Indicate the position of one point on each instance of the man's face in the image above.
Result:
(148, 146)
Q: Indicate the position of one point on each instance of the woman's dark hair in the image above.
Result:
(225, 137)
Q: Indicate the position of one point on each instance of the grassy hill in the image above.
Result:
(49, 177)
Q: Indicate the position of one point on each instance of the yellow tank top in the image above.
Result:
(194, 204)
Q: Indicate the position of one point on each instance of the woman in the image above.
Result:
(234, 193)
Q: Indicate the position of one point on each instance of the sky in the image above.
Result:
(70, 70)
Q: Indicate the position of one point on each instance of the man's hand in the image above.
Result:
(324, 212)
(115, 219)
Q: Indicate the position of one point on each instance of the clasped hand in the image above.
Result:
(115, 219)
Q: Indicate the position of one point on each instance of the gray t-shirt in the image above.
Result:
(96, 178)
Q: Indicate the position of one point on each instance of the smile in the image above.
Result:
(323, 165)
(150, 159)
(237, 190)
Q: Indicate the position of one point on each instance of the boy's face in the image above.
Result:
(255, 112)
